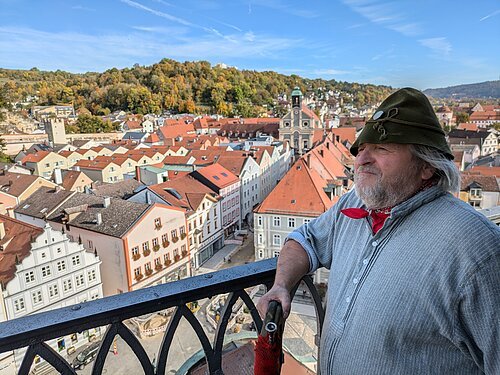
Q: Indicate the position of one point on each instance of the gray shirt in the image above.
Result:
(422, 296)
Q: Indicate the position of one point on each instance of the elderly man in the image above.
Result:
(414, 285)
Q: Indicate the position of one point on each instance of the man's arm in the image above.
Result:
(293, 264)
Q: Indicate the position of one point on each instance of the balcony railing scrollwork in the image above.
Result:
(32, 331)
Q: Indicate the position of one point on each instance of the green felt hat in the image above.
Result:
(406, 117)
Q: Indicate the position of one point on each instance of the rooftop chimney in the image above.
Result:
(99, 218)
(107, 202)
(58, 176)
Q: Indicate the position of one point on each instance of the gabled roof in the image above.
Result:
(184, 192)
(16, 245)
(345, 134)
(117, 219)
(135, 136)
(16, 183)
(43, 201)
(120, 189)
(487, 183)
(299, 193)
(70, 178)
(36, 157)
(231, 163)
(178, 130)
(94, 164)
(217, 175)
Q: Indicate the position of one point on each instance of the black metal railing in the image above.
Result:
(32, 331)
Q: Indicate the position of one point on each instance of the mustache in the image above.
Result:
(368, 169)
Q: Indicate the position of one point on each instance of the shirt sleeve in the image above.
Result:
(316, 237)
(478, 322)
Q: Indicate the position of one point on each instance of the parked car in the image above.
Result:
(86, 356)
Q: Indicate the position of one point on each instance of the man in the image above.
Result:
(414, 285)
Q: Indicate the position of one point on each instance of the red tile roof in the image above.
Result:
(218, 175)
(16, 244)
(36, 157)
(72, 177)
(173, 131)
(468, 126)
(486, 171)
(345, 134)
(300, 193)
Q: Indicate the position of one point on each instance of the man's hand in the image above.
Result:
(276, 293)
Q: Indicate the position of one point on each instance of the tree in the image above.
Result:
(462, 117)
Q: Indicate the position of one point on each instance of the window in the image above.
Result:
(90, 244)
(276, 240)
(260, 239)
(276, 221)
(19, 304)
(164, 238)
(155, 241)
(166, 257)
(158, 222)
(182, 230)
(145, 246)
(36, 297)
(61, 265)
(91, 275)
(291, 222)
(67, 285)
(173, 233)
(53, 291)
(30, 276)
(137, 271)
(46, 271)
(75, 260)
(135, 251)
(147, 266)
(261, 254)
(79, 280)
(475, 192)
(157, 262)
(45, 255)
(307, 221)
(276, 253)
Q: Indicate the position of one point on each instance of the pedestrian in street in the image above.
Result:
(414, 282)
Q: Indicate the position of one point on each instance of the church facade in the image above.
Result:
(300, 126)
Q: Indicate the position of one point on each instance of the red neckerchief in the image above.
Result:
(379, 216)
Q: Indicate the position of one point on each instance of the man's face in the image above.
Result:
(386, 174)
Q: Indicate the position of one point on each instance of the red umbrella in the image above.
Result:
(268, 349)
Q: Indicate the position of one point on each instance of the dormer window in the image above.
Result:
(287, 124)
(476, 192)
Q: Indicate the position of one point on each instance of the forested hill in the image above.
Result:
(195, 87)
(489, 89)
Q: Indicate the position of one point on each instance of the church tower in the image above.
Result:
(301, 126)
(54, 127)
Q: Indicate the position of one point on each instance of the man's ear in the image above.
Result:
(427, 172)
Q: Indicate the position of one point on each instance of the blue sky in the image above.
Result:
(419, 43)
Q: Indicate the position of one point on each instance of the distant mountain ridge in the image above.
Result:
(483, 90)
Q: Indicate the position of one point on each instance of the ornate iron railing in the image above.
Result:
(32, 331)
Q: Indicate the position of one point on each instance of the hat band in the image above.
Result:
(416, 124)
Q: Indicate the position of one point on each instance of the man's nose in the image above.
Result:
(364, 157)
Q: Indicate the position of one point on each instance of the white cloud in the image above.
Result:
(440, 46)
(24, 48)
(386, 14)
(490, 15)
(285, 7)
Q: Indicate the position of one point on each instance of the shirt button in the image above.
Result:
(348, 299)
(374, 243)
(365, 261)
(355, 281)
